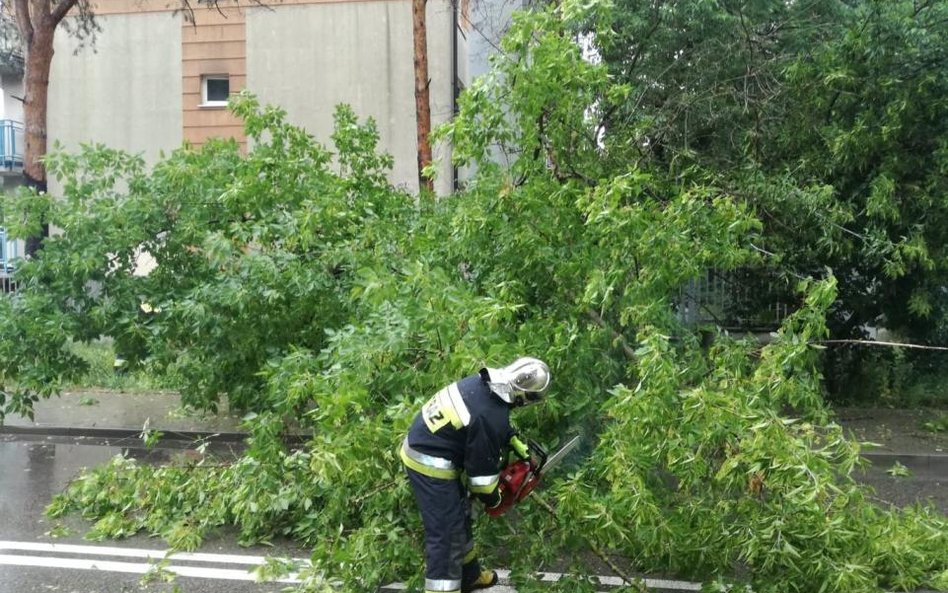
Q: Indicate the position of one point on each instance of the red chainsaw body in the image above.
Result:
(517, 480)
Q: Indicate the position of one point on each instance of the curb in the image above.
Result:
(121, 433)
(936, 463)
(175, 437)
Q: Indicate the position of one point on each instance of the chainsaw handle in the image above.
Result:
(536, 451)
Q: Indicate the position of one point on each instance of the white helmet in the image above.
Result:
(521, 382)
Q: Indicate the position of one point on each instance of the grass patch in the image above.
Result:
(928, 389)
(938, 425)
(104, 373)
(894, 378)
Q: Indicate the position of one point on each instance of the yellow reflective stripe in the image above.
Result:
(447, 408)
(433, 413)
(460, 408)
(484, 484)
(426, 469)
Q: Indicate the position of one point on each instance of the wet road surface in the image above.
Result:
(33, 471)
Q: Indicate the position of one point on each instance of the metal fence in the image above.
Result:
(738, 300)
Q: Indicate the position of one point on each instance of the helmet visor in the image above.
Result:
(530, 377)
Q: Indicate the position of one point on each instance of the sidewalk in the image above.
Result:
(99, 413)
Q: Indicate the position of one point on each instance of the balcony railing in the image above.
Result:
(11, 146)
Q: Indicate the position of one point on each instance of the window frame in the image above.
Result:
(204, 80)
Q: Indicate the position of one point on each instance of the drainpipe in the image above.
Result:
(455, 91)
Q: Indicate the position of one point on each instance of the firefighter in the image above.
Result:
(455, 446)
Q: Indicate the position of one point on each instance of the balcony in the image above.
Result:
(11, 147)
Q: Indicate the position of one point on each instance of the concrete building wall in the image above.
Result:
(308, 58)
(126, 93)
(134, 90)
(487, 22)
(12, 107)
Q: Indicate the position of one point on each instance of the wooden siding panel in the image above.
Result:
(215, 33)
(103, 7)
(211, 50)
(207, 15)
(209, 117)
(198, 68)
(201, 135)
(214, 44)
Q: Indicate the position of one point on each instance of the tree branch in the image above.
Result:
(628, 579)
(22, 9)
(40, 10)
(879, 343)
(629, 352)
(61, 10)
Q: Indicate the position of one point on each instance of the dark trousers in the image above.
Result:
(449, 543)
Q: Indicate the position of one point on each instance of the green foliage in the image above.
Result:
(876, 131)
(894, 377)
(899, 470)
(103, 372)
(828, 118)
(939, 424)
(249, 253)
(307, 290)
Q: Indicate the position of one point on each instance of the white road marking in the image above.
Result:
(671, 585)
(156, 556)
(134, 568)
(139, 553)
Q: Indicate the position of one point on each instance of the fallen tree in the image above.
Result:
(303, 287)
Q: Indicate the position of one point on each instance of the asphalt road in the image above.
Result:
(34, 469)
(31, 561)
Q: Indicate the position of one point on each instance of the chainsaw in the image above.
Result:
(519, 478)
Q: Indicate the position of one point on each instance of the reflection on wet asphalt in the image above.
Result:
(34, 469)
(31, 473)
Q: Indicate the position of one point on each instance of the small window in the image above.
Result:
(215, 90)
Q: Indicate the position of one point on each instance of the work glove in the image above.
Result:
(520, 448)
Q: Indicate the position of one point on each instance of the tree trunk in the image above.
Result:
(422, 101)
(39, 57)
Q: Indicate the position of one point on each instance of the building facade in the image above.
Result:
(156, 77)
(11, 134)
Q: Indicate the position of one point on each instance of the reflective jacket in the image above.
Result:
(462, 428)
